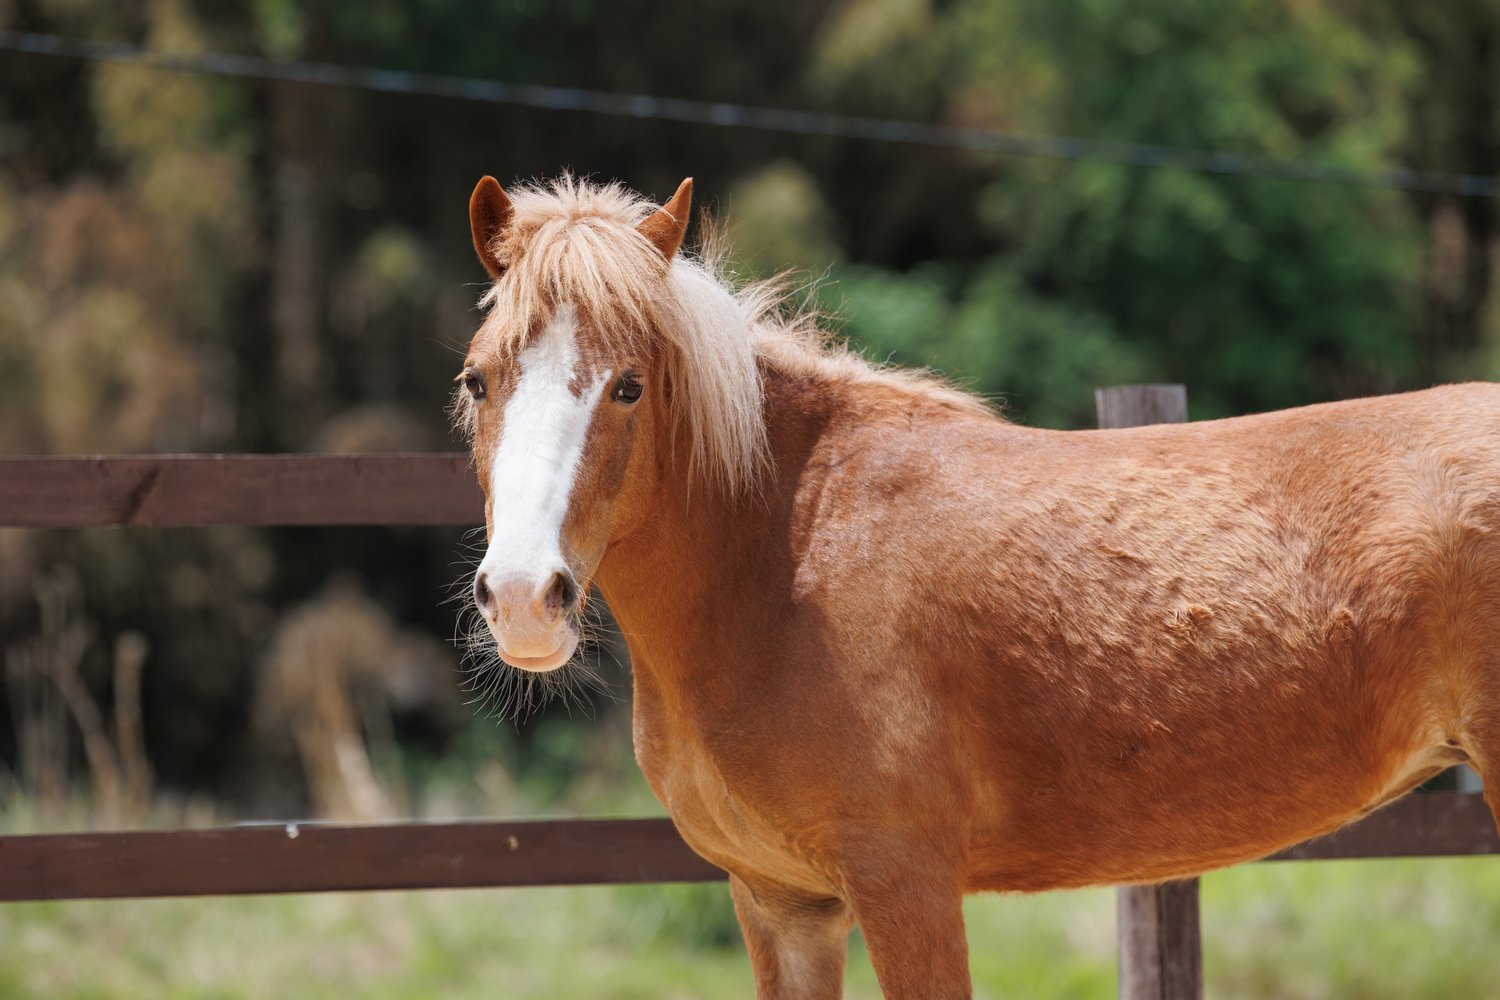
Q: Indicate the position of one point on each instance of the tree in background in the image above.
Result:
(1257, 293)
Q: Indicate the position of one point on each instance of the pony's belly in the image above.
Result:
(1184, 839)
(1073, 862)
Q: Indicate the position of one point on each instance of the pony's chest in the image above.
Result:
(719, 821)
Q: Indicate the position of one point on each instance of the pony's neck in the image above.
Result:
(667, 583)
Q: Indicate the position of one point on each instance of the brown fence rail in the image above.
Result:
(313, 857)
(250, 490)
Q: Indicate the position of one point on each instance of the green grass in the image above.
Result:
(1407, 929)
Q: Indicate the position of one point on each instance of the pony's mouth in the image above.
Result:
(540, 664)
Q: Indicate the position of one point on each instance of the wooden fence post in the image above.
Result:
(1161, 950)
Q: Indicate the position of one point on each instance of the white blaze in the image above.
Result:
(542, 435)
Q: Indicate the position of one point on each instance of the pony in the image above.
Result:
(889, 648)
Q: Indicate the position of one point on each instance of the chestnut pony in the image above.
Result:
(889, 648)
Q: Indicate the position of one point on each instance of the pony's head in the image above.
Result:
(606, 361)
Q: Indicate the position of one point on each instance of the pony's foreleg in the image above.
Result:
(797, 944)
(914, 927)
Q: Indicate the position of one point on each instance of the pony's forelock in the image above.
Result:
(575, 242)
(572, 241)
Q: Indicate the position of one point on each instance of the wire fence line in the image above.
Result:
(731, 115)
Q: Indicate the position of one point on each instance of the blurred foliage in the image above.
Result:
(199, 263)
(975, 324)
(1256, 293)
(779, 222)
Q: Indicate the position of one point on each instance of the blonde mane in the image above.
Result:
(571, 241)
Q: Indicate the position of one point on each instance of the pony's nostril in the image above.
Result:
(482, 595)
(561, 593)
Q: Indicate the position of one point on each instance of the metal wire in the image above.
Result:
(730, 115)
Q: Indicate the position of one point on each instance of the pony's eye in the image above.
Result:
(473, 381)
(627, 388)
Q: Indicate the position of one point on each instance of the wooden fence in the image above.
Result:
(318, 857)
(1159, 927)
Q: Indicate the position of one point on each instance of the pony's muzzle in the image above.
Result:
(517, 597)
(530, 616)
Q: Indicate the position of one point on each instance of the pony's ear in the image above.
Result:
(667, 225)
(489, 214)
